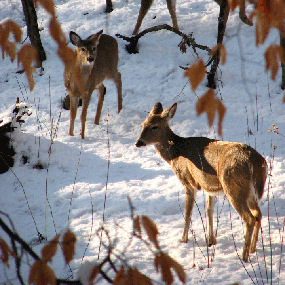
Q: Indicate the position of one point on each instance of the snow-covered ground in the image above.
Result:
(71, 189)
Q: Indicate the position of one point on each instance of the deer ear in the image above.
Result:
(74, 38)
(170, 112)
(95, 37)
(157, 109)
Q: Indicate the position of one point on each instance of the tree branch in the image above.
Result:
(133, 41)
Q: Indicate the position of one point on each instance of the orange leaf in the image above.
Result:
(151, 230)
(264, 8)
(207, 103)
(221, 111)
(68, 246)
(137, 226)
(233, 4)
(262, 29)
(162, 264)
(50, 249)
(4, 252)
(48, 6)
(272, 55)
(196, 73)
(93, 274)
(137, 278)
(41, 274)
(121, 278)
(222, 53)
(56, 32)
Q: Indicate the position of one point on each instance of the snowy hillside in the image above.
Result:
(84, 180)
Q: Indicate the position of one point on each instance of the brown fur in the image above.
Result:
(216, 166)
(96, 60)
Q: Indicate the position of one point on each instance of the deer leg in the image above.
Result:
(118, 82)
(223, 18)
(145, 5)
(84, 115)
(209, 211)
(255, 210)
(73, 112)
(101, 94)
(171, 5)
(189, 203)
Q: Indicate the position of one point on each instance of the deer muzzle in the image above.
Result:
(140, 143)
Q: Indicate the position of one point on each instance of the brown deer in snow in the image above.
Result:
(96, 60)
(215, 166)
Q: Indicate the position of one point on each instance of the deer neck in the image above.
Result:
(167, 147)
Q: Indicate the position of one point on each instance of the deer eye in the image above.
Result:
(154, 128)
(83, 49)
(94, 48)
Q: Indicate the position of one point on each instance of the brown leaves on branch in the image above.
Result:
(131, 277)
(40, 272)
(208, 103)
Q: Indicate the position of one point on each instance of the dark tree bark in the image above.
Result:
(32, 27)
(282, 44)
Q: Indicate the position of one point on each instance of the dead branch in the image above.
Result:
(186, 39)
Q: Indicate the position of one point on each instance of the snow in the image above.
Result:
(71, 189)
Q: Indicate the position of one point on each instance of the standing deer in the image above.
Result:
(171, 5)
(216, 166)
(96, 60)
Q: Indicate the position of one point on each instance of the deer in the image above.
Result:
(96, 59)
(171, 5)
(232, 168)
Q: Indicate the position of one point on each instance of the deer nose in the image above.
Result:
(140, 143)
(90, 59)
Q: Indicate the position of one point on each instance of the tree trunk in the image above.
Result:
(32, 27)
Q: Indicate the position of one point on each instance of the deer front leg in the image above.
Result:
(145, 5)
(101, 94)
(189, 203)
(171, 5)
(211, 240)
(84, 115)
(73, 111)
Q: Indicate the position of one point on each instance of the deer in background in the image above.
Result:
(96, 60)
(215, 166)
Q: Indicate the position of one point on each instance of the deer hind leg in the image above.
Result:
(211, 240)
(145, 5)
(171, 5)
(73, 112)
(255, 210)
(101, 95)
(86, 101)
(118, 82)
(189, 203)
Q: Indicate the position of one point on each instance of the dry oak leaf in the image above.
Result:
(48, 6)
(56, 32)
(136, 278)
(210, 104)
(137, 225)
(5, 251)
(121, 277)
(151, 230)
(196, 73)
(26, 55)
(222, 53)
(41, 274)
(93, 274)
(273, 55)
(164, 263)
(50, 249)
(68, 246)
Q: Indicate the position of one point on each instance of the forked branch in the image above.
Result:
(187, 39)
